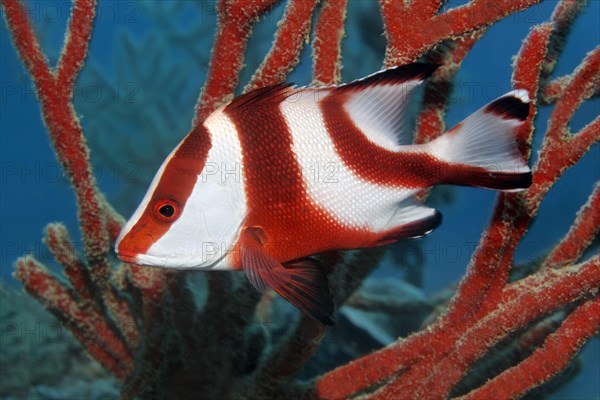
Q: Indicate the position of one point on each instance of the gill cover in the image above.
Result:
(191, 212)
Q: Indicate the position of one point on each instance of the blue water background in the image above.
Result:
(34, 193)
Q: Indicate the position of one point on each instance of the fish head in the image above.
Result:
(190, 216)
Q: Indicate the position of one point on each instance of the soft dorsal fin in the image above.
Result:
(272, 95)
(377, 104)
(301, 282)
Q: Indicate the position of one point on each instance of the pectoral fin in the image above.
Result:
(302, 282)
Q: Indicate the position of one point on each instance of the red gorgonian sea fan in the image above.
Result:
(143, 325)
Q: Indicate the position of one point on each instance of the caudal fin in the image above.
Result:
(482, 149)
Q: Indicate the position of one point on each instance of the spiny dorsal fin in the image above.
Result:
(268, 95)
(392, 76)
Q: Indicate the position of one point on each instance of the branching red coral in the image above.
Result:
(289, 40)
(413, 28)
(55, 92)
(557, 351)
(480, 293)
(433, 381)
(327, 43)
(430, 122)
(581, 234)
(235, 26)
(127, 317)
(86, 323)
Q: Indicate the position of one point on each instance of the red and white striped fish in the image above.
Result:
(283, 173)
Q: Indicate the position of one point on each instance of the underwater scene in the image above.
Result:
(177, 222)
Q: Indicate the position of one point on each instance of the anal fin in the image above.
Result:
(410, 220)
(300, 282)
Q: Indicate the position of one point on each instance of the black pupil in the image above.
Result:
(167, 210)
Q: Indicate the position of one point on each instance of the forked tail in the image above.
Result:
(482, 149)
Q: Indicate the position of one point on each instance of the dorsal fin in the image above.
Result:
(392, 76)
(377, 104)
(272, 95)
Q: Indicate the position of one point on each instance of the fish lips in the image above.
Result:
(141, 259)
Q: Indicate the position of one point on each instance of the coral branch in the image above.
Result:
(63, 125)
(527, 70)
(581, 142)
(88, 325)
(558, 349)
(411, 32)
(55, 94)
(573, 95)
(114, 221)
(235, 25)
(430, 122)
(558, 152)
(581, 234)
(329, 32)
(563, 17)
(289, 40)
(371, 369)
(490, 263)
(559, 288)
(58, 241)
(27, 43)
(482, 288)
(555, 89)
(76, 43)
(288, 357)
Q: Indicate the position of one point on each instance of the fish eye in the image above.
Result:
(166, 210)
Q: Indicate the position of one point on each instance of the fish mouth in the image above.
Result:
(131, 257)
(147, 260)
(151, 261)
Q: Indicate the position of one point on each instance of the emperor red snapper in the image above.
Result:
(283, 173)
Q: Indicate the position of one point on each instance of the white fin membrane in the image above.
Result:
(411, 219)
(377, 104)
